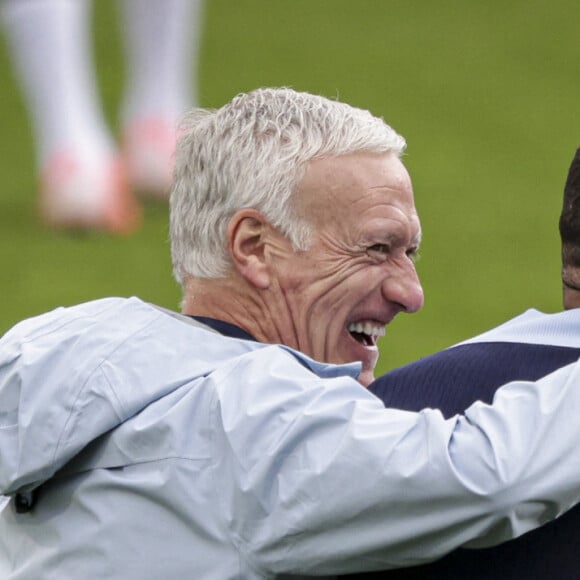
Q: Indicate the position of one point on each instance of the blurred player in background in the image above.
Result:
(88, 179)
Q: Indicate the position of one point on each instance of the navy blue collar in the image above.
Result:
(225, 328)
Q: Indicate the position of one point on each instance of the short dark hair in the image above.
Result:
(570, 216)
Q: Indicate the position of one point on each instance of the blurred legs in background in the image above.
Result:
(86, 180)
(161, 41)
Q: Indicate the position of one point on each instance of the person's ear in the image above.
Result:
(247, 238)
(570, 297)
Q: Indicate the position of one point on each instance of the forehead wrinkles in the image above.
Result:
(386, 208)
(385, 200)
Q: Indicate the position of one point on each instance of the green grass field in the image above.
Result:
(487, 95)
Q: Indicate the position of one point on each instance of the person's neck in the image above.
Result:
(232, 301)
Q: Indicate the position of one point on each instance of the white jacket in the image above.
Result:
(160, 449)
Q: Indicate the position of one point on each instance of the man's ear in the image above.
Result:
(247, 237)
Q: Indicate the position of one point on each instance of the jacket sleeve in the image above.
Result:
(317, 477)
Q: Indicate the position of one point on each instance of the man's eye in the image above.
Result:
(413, 254)
(379, 248)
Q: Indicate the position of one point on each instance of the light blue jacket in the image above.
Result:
(160, 449)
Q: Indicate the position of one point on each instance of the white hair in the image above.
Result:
(253, 152)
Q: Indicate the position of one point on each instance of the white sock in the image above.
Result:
(50, 42)
(162, 44)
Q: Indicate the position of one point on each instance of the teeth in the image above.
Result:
(367, 328)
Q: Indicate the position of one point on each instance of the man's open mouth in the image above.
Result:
(366, 333)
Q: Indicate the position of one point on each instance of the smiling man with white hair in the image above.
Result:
(237, 440)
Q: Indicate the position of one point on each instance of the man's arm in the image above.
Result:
(345, 485)
(451, 380)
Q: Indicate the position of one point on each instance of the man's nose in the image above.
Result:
(404, 288)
